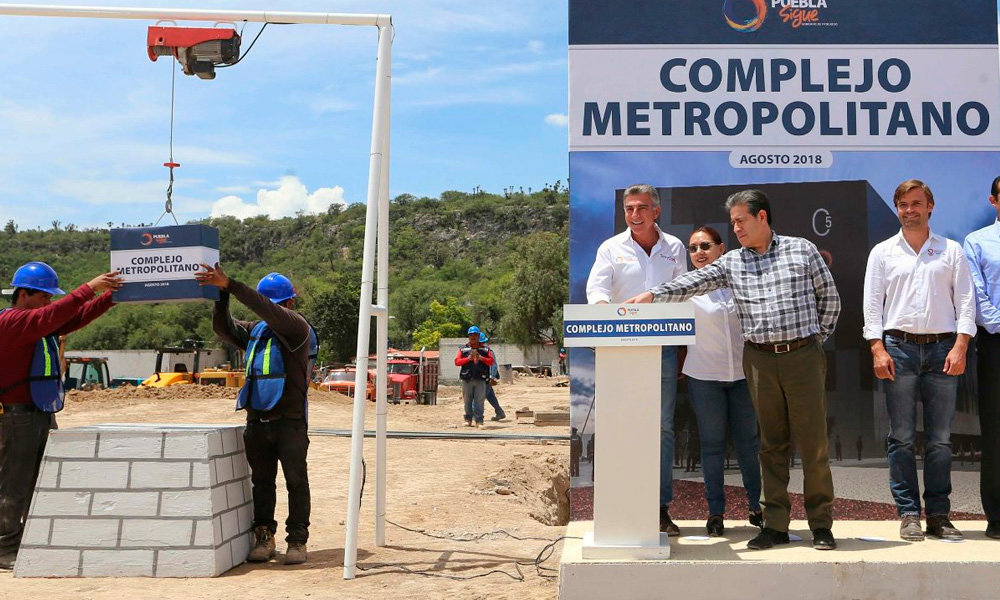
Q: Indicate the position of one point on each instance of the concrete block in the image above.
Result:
(161, 475)
(247, 488)
(200, 476)
(234, 494)
(60, 504)
(36, 532)
(155, 532)
(130, 445)
(191, 503)
(240, 445)
(240, 466)
(71, 444)
(219, 502)
(204, 534)
(241, 549)
(186, 445)
(229, 444)
(224, 469)
(187, 563)
(94, 475)
(224, 558)
(215, 444)
(213, 476)
(85, 533)
(125, 504)
(49, 475)
(117, 563)
(47, 562)
(244, 515)
(217, 531)
(230, 524)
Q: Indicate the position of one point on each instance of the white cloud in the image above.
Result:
(557, 120)
(289, 198)
(536, 46)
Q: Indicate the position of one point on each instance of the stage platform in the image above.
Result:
(723, 567)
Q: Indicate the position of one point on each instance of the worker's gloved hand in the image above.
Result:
(212, 276)
(106, 281)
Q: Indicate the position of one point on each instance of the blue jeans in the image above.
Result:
(474, 393)
(919, 377)
(716, 405)
(668, 400)
(491, 397)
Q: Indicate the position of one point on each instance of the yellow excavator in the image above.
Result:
(179, 375)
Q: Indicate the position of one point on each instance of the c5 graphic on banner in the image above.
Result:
(825, 105)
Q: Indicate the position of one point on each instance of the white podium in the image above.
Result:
(627, 340)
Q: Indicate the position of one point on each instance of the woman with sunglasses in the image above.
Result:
(718, 389)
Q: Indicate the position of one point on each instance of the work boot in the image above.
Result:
(666, 524)
(715, 526)
(940, 527)
(909, 529)
(468, 422)
(7, 561)
(296, 554)
(500, 416)
(768, 538)
(263, 547)
(479, 424)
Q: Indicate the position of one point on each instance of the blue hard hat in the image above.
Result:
(276, 287)
(483, 339)
(472, 330)
(36, 276)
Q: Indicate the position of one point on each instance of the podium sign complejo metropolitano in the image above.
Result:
(626, 339)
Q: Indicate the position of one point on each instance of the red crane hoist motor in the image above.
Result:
(198, 49)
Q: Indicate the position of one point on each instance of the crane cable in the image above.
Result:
(168, 206)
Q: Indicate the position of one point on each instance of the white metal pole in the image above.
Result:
(382, 331)
(189, 14)
(379, 122)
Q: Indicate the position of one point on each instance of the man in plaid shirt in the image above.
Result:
(788, 305)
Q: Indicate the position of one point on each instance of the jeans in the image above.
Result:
(283, 440)
(474, 393)
(668, 400)
(491, 397)
(716, 405)
(920, 377)
(22, 444)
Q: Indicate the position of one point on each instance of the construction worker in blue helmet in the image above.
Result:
(280, 350)
(31, 385)
(474, 361)
(491, 394)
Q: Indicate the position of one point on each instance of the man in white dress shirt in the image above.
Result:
(628, 264)
(920, 313)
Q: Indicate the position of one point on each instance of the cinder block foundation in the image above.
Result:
(139, 500)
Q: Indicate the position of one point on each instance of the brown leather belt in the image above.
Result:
(783, 347)
(920, 338)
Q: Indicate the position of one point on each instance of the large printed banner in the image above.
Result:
(826, 105)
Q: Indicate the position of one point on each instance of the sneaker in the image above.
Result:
(823, 539)
(940, 527)
(756, 519)
(768, 538)
(296, 554)
(993, 530)
(909, 529)
(715, 526)
(263, 547)
(666, 525)
(500, 416)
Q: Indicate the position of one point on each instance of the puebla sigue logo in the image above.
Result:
(745, 16)
(148, 239)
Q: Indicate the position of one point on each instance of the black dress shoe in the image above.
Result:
(715, 526)
(756, 519)
(940, 527)
(993, 530)
(823, 539)
(768, 538)
(666, 524)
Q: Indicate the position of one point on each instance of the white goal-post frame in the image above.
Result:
(376, 226)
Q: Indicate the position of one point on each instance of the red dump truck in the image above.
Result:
(413, 375)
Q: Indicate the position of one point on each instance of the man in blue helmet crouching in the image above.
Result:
(280, 349)
(31, 386)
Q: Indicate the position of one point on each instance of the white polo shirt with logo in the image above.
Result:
(622, 269)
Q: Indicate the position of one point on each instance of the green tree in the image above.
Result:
(334, 314)
(450, 319)
(538, 289)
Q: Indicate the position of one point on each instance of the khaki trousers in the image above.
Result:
(789, 393)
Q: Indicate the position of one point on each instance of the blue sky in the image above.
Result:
(479, 99)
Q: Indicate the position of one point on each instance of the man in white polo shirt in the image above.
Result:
(920, 313)
(628, 264)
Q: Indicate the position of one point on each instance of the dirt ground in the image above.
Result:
(447, 488)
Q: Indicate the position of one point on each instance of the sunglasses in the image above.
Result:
(702, 246)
